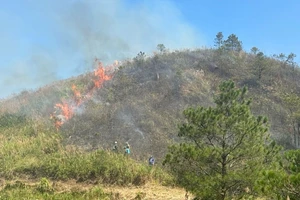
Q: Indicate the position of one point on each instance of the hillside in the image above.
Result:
(141, 100)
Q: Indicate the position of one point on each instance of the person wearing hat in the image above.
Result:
(115, 147)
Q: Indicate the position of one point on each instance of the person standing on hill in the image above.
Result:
(115, 147)
(151, 161)
(127, 149)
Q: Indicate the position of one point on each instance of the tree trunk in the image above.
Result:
(224, 173)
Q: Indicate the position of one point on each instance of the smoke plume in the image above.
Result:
(71, 34)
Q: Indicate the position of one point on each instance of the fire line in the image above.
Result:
(65, 110)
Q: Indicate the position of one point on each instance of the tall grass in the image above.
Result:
(20, 190)
(37, 152)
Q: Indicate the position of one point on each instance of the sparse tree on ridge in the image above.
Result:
(290, 59)
(260, 64)
(232, 43)
(219, 40)
(140, 58)
(254, 50)
(281, 57)
(224, 149)
(161, 48)
(286, 59)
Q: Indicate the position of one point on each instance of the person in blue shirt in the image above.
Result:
(127, 149)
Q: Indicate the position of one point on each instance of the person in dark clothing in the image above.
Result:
(115, 147)
(151, 161)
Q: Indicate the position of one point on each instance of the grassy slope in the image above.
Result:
(35, 165)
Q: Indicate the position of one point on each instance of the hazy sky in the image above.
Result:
(42, 41)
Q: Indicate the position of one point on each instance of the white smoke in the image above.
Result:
(81, 31)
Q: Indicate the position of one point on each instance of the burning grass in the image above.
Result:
(65, 110)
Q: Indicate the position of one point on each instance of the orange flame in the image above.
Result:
(66, 110)
(101, 77)
(57, 121)
(77, 95)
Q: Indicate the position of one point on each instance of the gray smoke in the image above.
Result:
(105, 29)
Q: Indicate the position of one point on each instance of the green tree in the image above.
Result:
(219, 40)
(285, 180)
(140, 58)
(259, 64)
(286, 59)
(292, 168)
(291, 62)
(292, 103)
(161, 48)
(290, 59)
(254, 50)
(224, 148)
(281, 57)
(232, 43)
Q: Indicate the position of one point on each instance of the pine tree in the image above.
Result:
(224, 148)
(292, 103)
(254, 50)
(219, 40)
(260, 64)
(232, 43)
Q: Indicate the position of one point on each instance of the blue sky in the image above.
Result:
(42, 41)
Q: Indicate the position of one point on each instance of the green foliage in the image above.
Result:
(290, 59)
(286, 60)
(232, 43)
(271, 183)
(281, 57)
(217, 159)
(17, 184)
(161, 48)
(44, 186)
(19, 190)
(254, 50)
(140, 58)
(42, 155)
(153, 105)
(283, 181)
(292, 103)
(293, 159)
(259, 64)
(11, 120)
(219, 40)
(140, 196)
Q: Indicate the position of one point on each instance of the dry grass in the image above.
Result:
(149, 191)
